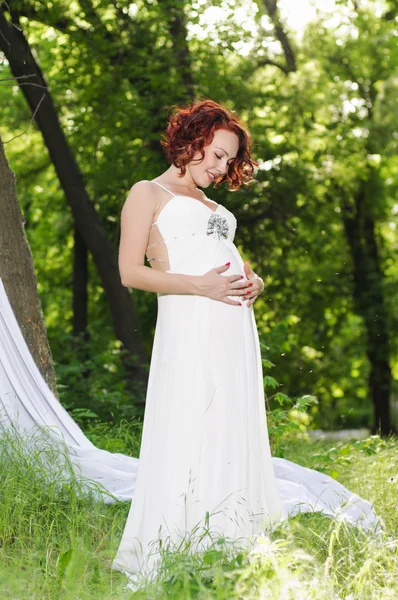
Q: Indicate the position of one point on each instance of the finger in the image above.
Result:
(233, 278)
(252, 291)
(252, 300)
(223, 268)
(246, 291)
(243, 285)
(237, 292)
(247, 267)
(233, 302)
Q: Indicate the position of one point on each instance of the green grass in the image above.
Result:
(58, 543)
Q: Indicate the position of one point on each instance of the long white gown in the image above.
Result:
(205, 457)
(205, 445)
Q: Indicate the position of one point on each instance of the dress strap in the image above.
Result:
(162, 186)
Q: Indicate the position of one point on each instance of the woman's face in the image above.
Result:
(219, 154)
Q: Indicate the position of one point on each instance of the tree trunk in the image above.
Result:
(91, 228)
(80, 282)
(18, 276)
(369, 299)
(182, 59)
(184, 92)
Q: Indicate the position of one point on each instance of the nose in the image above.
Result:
(225, 166)
(222, 170)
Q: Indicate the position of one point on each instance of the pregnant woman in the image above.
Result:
(205, 455)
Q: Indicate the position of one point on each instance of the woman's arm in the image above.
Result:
(136, 219)
(151, 280)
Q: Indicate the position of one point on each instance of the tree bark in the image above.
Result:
(182, 58)
(89, 224)
(80, 283)
(18, 276)
(359, 228)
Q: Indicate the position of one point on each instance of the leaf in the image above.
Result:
(270, 381)
(282, 398)
(267, 363)
(212, 556)
(84, 412)
(63, 562)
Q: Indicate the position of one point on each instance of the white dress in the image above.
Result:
(205, 456)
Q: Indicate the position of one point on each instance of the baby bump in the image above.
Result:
(199, 255)
(196, 329)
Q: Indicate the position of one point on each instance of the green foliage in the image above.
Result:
(123, 437)
(92, 384)
(289, 419)
(319, 133)
(343, 454)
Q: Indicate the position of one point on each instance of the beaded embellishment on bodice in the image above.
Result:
(218, 227)
(184, 217)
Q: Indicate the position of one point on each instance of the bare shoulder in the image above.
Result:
(143, 195)
(143, 189)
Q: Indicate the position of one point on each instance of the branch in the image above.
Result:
(273, 12)
(30, 122)
(262, 62)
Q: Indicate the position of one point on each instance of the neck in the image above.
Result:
(185, 181)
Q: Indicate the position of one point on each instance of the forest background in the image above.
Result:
(319, 224)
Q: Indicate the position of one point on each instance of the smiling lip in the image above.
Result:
(211, 176)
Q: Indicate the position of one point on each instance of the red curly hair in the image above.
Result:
(192, 127)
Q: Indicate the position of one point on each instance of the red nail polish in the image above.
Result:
(250, 284)
(226, 264)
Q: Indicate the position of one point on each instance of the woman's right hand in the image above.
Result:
(219, 287)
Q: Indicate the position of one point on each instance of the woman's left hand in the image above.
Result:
(258, 284)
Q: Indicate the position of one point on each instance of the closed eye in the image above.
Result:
(220, 157)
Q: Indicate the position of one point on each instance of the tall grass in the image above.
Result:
(57, 541)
